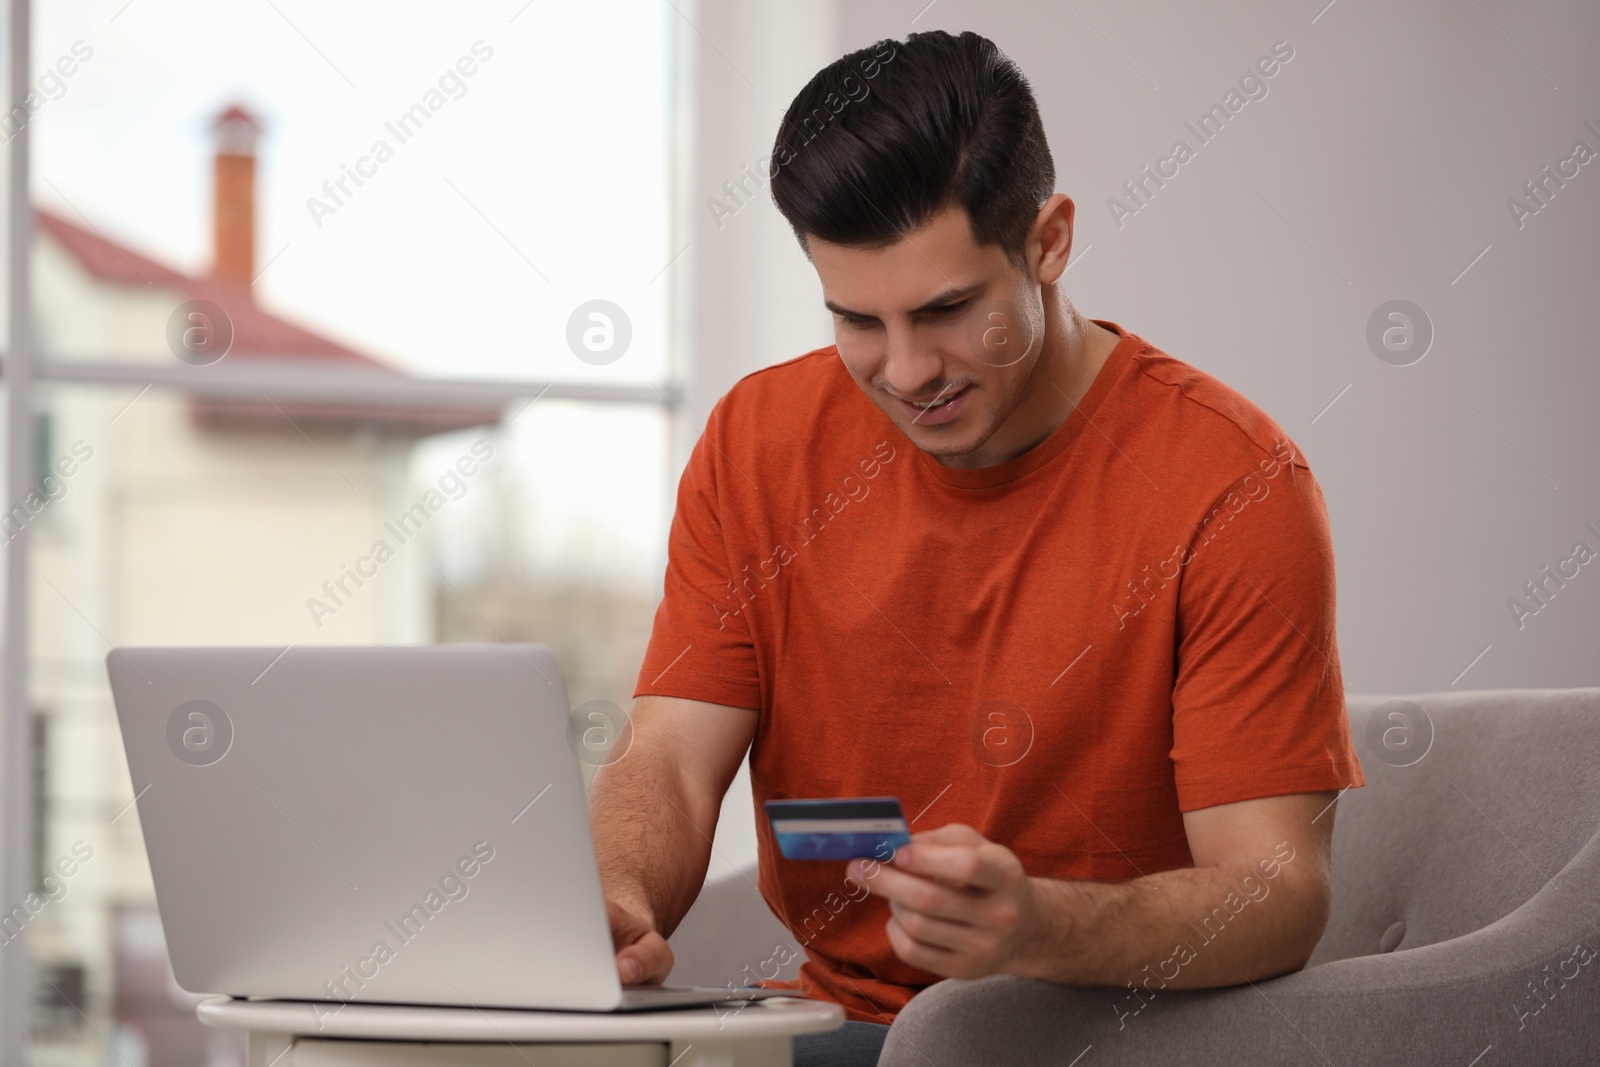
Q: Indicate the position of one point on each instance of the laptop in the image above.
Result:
(391, 824)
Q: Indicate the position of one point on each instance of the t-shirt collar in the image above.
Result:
(1059, 439)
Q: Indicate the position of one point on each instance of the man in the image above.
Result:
(1068, 598)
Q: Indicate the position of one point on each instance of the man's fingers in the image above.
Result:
(646, 961)
(934, 932)
(952, 833)
(917, 953)
(643, 956)
(922, 894)
(626, 927)
(960, 864)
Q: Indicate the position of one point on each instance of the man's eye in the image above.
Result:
(853, 321)
(946, 309)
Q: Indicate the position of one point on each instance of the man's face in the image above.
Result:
(937, 319)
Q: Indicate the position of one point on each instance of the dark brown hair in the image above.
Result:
(882, 139)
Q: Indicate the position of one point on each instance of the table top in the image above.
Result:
(408, 1022)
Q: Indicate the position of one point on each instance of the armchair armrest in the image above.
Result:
(1528, 985)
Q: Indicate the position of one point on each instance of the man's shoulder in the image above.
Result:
(1210, 421)
(792, 430)
(796, 396)
(818, 370)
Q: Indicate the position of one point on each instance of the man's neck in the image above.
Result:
(1075, 350)
(1086, 347)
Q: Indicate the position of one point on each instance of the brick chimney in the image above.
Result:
(235, 132)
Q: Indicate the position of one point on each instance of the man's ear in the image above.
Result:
(1050, 239)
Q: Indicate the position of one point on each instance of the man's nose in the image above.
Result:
(912, 370)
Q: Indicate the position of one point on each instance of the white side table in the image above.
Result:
(283, 1033)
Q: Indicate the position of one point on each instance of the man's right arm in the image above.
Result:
(653, 814)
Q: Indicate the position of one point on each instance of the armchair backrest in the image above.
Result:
(1473, 802)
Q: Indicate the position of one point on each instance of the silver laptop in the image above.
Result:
(401, 824)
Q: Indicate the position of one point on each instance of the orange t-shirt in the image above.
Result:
(1066, 651)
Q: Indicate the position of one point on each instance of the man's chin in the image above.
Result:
(943, 442)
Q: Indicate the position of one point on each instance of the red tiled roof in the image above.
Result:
(104, 259)
(257, 335)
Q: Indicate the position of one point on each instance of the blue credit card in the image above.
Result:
(838, 829)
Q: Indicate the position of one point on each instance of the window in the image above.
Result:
(304, 282)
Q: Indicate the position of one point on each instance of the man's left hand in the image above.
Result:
(960, 904)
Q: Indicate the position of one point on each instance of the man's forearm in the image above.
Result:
(652, 841)
(1195, 927)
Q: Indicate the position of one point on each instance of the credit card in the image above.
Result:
(839, 829)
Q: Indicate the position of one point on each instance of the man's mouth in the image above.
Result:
(942, 408)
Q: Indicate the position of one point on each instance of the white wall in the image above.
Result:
(752, 298)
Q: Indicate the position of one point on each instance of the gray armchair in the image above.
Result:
(1465, 926)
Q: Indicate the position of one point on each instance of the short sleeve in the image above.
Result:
(700, 646)
(1258, 704)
